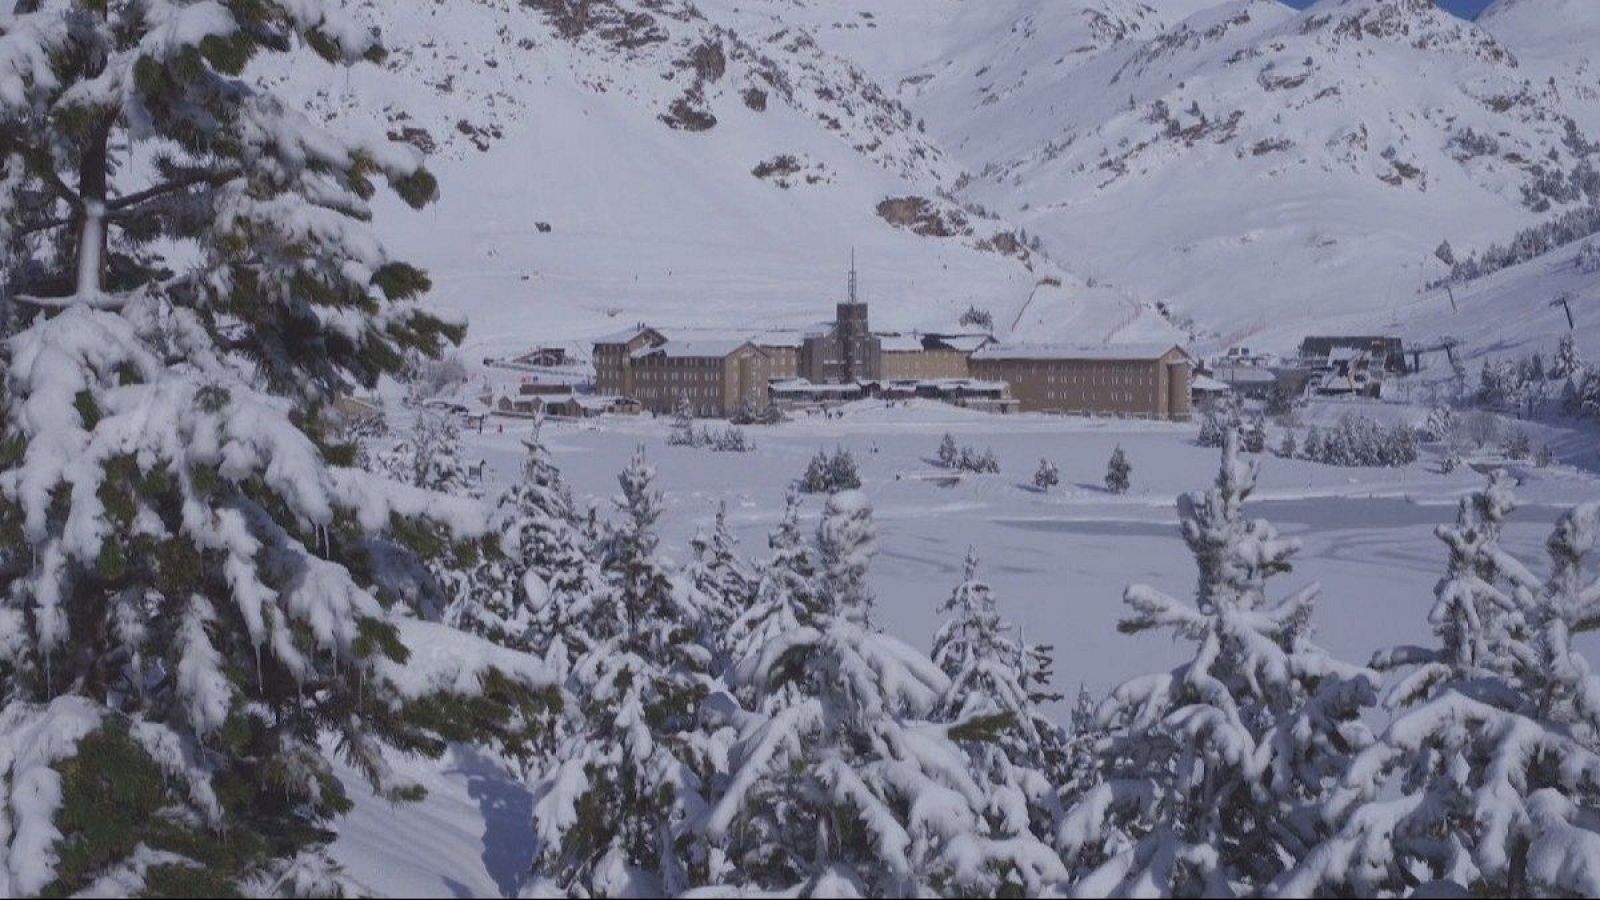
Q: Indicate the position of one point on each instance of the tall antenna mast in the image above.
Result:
(852, 274)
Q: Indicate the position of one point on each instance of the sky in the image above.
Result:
(1465, 8)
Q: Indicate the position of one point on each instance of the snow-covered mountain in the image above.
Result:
(1554, 40)
(620, 160)
(1072, 165)
(1258, 168)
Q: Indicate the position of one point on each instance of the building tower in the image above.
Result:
(860, 353)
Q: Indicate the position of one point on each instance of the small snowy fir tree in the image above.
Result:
(1254, 437)
(1488, 781)
(525, 597)
(683, 432)
(997, 683)
(1443, 425)
(1211, 773)
(1287, 448)
(195, 611)
(785, 594)
(429, 456)
(1047, 476)
(1218, 422)
(949, 453)
(827, 474)
(1118, 471)
(724, 588)
(1517, 445)
(840, 784)
(1450, 461)
(1544, 456)
(613, 810)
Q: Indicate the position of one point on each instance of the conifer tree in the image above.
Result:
(998, 682)
(1487, 781)
(839, 783)
(1117, 472)
(195, 604)
(1568, 362)
(428, 456)
(614, 809)
(724, 588)
(1047, 476)
(785, 593)
(543, 572)
(1210, 774)
(949, 453)
(683, 432)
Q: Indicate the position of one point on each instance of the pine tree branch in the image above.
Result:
(211, 178)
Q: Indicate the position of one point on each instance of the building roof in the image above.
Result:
(900, 343)
(801, 385)
(779, 338)
(1246, 374)
(624, 336)
(704, 348)
(1068, 352)
(967, 343)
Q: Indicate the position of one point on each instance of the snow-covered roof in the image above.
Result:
(1066, 352)
(1245, 374)
(801, 385)
(716, 348)
(1208, 385)
(968, 343)
(622, 337)
(780, 338)
(900, 343)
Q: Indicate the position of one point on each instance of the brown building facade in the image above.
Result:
(1135, 381)
(613, 358)
(928, 356)
(715, 378)
(846, 352)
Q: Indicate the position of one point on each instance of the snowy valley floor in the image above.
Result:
(1058, 562)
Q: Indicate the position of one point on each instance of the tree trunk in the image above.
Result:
(91, 224)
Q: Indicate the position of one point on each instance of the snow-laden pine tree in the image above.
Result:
(1046, 476)
(683, 432)
(1568, 362)
(1210, 774)
(614, 810)
(785, 592)
(1118, 471)
(998, 682)
(195, 595)
(1488, 780)
(428, 456)
(724, 587)
(840, 783)
(949, 454)
(993, 671)
(543, 573)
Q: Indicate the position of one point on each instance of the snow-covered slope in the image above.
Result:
(643, 161)
(1256, 171)
(1557, 41)
(1261, 169)
(1510, 314)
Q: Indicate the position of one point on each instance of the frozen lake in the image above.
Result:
(1060, 561)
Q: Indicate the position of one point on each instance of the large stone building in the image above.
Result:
(716, 373)
(714, 377)
(929, 356)
(1136, 381)
(846, 351)
(613, 358)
